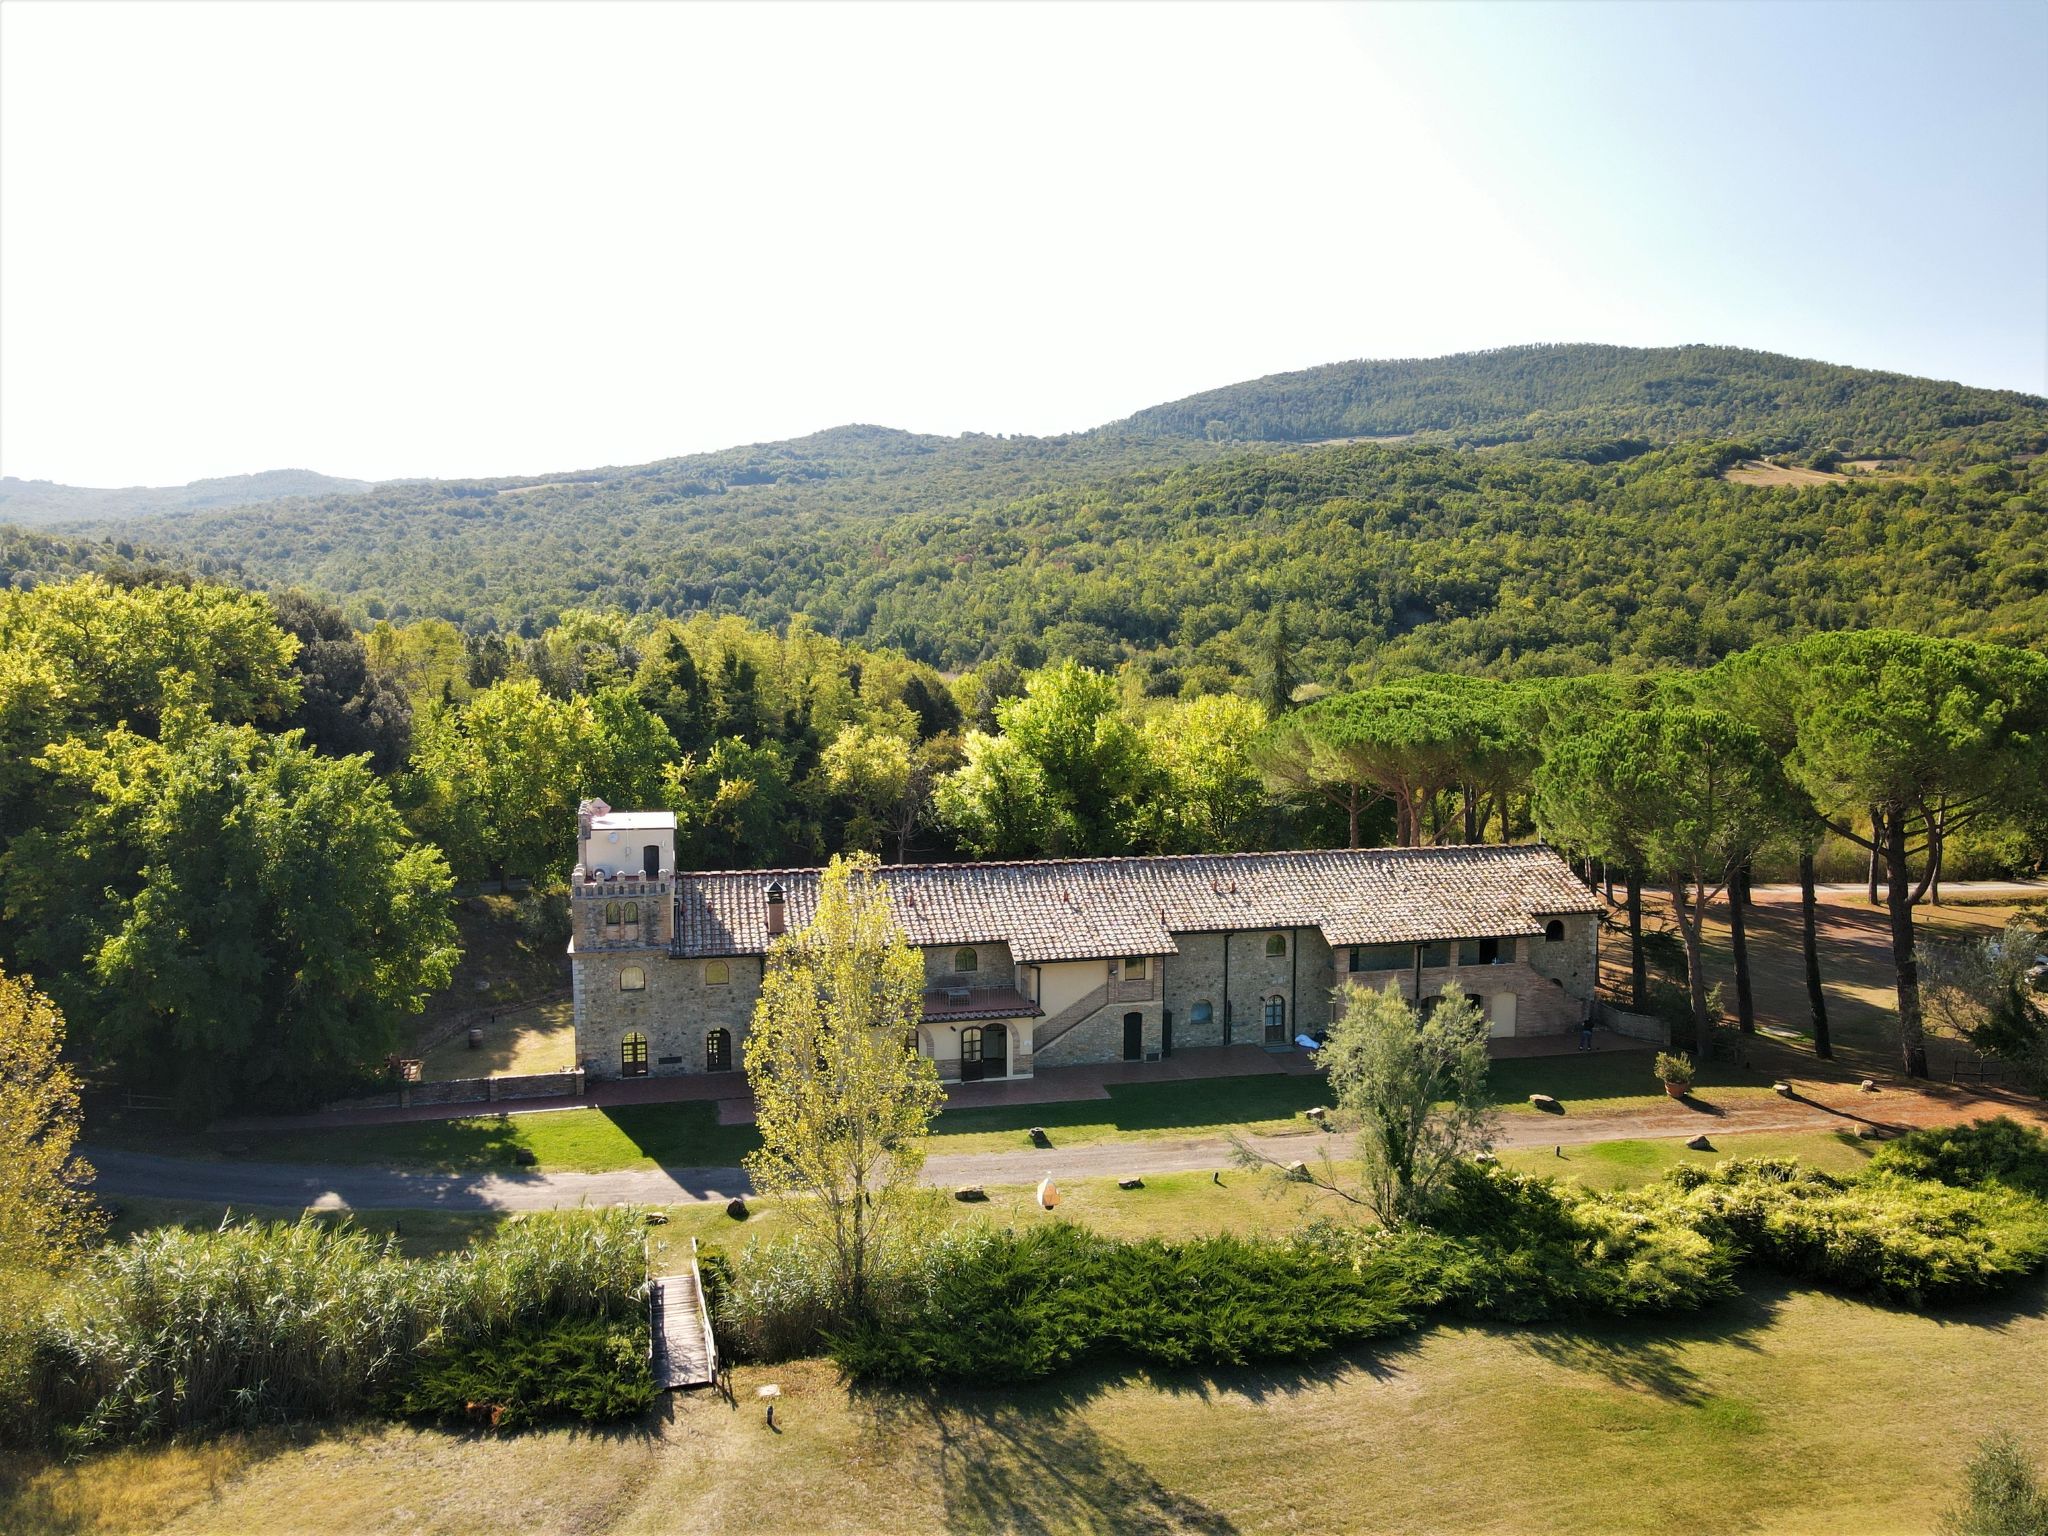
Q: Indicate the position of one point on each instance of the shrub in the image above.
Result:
(1906, 1240)
(543, 915)
(1516, 1248)
(1968, 1156)
(591, 1369)
(2002, 1495)
(257, 1323)
(1010, 1306)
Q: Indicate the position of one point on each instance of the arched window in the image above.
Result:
(611, 914)
(632, 911)
(1202, 1015)
(632, 979)
(718, 1051)
(1276, 943)
(633, 1055)
(1553, 931)
(966, 960)
(717, 973)
(1276, 1020)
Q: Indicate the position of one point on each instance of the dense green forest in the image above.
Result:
(1520, 559)
(1610, 537)
(1512, 394)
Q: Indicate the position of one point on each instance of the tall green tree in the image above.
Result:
(737, 806)
(1686, 794)
(496, 782)
(1210, 796)
(1761, 690)
(844, 1100)
(345, 706)
(1903, 741)
(239, 916)
(1088, 767)
(127, 652)
(1416, 742)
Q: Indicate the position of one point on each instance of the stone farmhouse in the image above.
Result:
(1063, 961)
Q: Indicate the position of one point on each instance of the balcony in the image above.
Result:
(951, 1004)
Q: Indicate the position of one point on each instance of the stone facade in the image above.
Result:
(1080, 961)
(675, 1011)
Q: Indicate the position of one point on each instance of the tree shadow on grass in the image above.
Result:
(1027, 1458)
(1030, 1461)
(1647, 1355)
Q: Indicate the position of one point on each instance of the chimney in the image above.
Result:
(775, 911)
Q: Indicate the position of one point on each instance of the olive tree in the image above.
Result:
(1415, 1089)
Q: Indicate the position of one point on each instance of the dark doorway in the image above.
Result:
(1276, 1021)
(650, 860)
(633, 1056)
(995, 1051)
(1134, 1037)
(718, 1051)
(971, 1066)
(1166, 1032)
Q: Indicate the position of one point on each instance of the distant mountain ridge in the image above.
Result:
(32, 502)
(1552, 509)
(1664, 394)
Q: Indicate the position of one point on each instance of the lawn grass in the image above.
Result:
(540, 1038)
(1785, 1413)
(688, 1135)
(1170, 1205)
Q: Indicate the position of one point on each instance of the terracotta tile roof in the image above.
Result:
(1088, 909)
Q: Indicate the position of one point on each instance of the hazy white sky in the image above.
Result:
(466, 239)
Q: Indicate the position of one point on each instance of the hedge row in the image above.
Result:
(1940, 1216)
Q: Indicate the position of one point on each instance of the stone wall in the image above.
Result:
(676, 1010)
(993, 966)
(1542, 1005)
(474, 1090)
(1573, 960)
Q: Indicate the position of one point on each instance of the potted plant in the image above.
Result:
(1676, 1072)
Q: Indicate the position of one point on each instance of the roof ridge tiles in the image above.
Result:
(1418, 853)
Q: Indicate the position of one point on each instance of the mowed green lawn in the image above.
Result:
(1168, 1205)
(1785, 1413)
(689, 1135)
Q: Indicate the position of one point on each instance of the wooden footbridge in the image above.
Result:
(684, 1352)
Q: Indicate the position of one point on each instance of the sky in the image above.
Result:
(394, 239)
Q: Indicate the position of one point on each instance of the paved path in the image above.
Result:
(337, 1186)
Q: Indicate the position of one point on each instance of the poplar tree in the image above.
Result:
(843, 1099)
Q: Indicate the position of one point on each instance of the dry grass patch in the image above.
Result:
(541, 1038)
(1757, 472)
(1786, 1412)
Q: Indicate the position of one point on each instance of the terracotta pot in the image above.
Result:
(1678, 1090)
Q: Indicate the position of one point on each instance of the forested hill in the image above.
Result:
(1591, 544)
(31, 502)
(1663, 394)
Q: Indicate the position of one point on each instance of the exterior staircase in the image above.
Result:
(1051, 1029)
